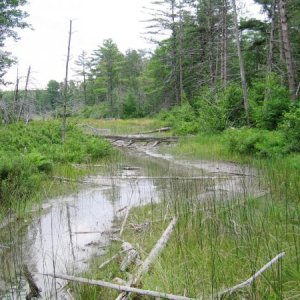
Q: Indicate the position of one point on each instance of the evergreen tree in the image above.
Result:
(11, 18)
(107, 63)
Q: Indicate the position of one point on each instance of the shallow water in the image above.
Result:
(72, 229)
(68, 233)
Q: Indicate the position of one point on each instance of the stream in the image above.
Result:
(71, 229)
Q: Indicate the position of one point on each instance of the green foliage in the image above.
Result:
(269, 102)
(182, 119)
(97, 111)
(11, 18)
(18, 178)
(130, 107)
(53, 93)
(257, 142)
(219, 109)
(42, 163)
(29, 152)
(291, 129)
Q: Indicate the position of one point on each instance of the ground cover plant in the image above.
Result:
(29, 154)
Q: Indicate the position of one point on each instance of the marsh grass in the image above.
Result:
(120, 126)
(204, 146)
(218, 244)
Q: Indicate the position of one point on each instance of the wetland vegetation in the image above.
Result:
(74, 203)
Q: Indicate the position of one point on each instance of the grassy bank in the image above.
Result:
(31, 155)
(217, 244)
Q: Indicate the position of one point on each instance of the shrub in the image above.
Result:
(129, 106)
(182, 119)
(219, 109)
(269, 102)
(291, 129)
(257, 142)
(27, 153)
(42, 163)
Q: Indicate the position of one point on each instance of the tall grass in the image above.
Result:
(219, 243)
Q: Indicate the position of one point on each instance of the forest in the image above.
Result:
(227, 88)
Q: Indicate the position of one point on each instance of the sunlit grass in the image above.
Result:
(120, 126)
(204, 146)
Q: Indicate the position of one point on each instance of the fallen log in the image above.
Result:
(159, 246)
(65, 179)
(132, 256)
(251, 280)
(164, 177)
(118, 287)
(137, 138)
(163, 129)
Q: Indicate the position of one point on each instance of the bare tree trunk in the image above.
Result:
(16, 98)
(63, 132)
(174, 52)
(224, 54)
(25, 97)
(241, 61)
(272, 35)
(287, 51)
(280, 39)
(224, 48)
(271, 50)
(181, 92)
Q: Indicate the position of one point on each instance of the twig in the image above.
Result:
(251, 280)
(119, 287)
(35, 292)
(121, 209)
(113, 257)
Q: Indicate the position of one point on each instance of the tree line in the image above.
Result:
(231, 70)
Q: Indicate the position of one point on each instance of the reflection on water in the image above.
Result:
(72, 229)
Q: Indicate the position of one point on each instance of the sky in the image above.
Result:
(45, 47)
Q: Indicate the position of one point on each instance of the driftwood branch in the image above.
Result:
(136, 138)
(251, 280)
(119, 287)
(130, 177)
(163, 129)
(159, 246)
(65, 179)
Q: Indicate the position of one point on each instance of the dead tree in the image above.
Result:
(65, 93)
(25, 103)
(289, 61)
(241, 60)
